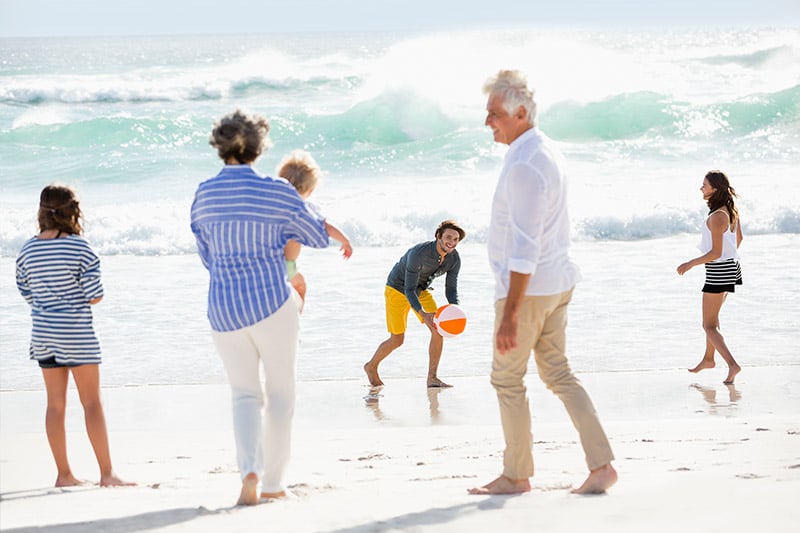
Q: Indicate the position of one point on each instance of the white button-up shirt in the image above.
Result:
(529, 231)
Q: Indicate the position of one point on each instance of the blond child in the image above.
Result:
(300, 169)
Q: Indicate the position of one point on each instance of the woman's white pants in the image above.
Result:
(263, 435)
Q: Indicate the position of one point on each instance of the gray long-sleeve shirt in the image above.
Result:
(417, 269)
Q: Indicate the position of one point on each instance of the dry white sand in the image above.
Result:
(692, 455)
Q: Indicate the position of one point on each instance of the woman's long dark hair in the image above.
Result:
(723, 196)
(59, 209)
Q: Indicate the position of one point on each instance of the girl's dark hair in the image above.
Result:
(59, 209)
(723, 196)
(240, 136)
(451, 224)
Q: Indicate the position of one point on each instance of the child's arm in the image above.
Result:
(338, 235)
(291, 250)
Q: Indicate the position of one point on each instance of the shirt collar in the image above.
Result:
(528, 134)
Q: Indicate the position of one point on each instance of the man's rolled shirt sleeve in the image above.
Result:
(526, 218)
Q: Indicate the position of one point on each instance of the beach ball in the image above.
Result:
(450, 320)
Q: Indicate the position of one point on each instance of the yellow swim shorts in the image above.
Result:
(397, 308)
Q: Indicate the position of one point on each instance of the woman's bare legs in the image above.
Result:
(56, 381)
(87, 381)
(712, 303)
(708, 358)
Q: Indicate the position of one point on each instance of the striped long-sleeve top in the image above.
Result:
(242, 220)
(58, 277)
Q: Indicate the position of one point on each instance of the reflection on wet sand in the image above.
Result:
(372, 401)
(433, 400)
(719, 407)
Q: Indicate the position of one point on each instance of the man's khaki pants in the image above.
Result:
(542, 328)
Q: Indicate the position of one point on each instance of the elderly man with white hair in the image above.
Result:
(529, 238)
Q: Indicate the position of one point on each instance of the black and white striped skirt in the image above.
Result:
(723, 276)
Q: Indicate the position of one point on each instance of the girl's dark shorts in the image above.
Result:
(50, 362)
(723, 276)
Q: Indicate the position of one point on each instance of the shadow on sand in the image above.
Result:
(429, 517)
(127, 524)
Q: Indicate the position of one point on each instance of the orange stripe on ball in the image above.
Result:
(450, 320)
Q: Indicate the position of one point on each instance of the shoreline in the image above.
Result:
(152, 321)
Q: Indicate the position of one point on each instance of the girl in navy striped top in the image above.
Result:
(58, 274)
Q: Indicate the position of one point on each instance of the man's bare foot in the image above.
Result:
(503, 485)
(249, 494)
(69, 481)
(598, 481)
(704, 364)
(372, 375)
(732, 371)
(111, 480)
(436, 382)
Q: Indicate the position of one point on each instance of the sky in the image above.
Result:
(42, 18)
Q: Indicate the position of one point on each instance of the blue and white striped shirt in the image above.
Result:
(58, 277)
(242, 221)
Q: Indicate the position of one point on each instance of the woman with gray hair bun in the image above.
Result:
(242, 221)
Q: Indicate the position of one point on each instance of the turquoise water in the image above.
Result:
(126, 121)
(396, 122)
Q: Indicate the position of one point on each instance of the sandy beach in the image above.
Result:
(692, 454)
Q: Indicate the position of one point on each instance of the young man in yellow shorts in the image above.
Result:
(407, 289)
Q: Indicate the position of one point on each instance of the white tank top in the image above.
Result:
(728, 240)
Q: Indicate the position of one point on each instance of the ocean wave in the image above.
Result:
(772, 57)
(168, 233)
(399, 116)
(648, 114)
(177, 88)
(391, 118)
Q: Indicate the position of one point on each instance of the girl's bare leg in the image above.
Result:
(712, 303)
(708, 358)
(87, 380)
(56, 381)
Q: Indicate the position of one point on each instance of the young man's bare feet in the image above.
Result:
(704, 364)
(503, 485)
(372, 375)
(436, 382)
(111, 480)
(732, 371)
(598, 481)
(69, 481)
(249, 494)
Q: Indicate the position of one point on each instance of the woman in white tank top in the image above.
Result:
(721, 236)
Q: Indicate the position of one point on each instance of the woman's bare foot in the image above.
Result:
(436, 382)
(69, 481)
(111, 480)
(598, 481)
(249, 494)
(372, 375)
(273, 495)
(704, 364)
(503, 485)
(732, 371)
